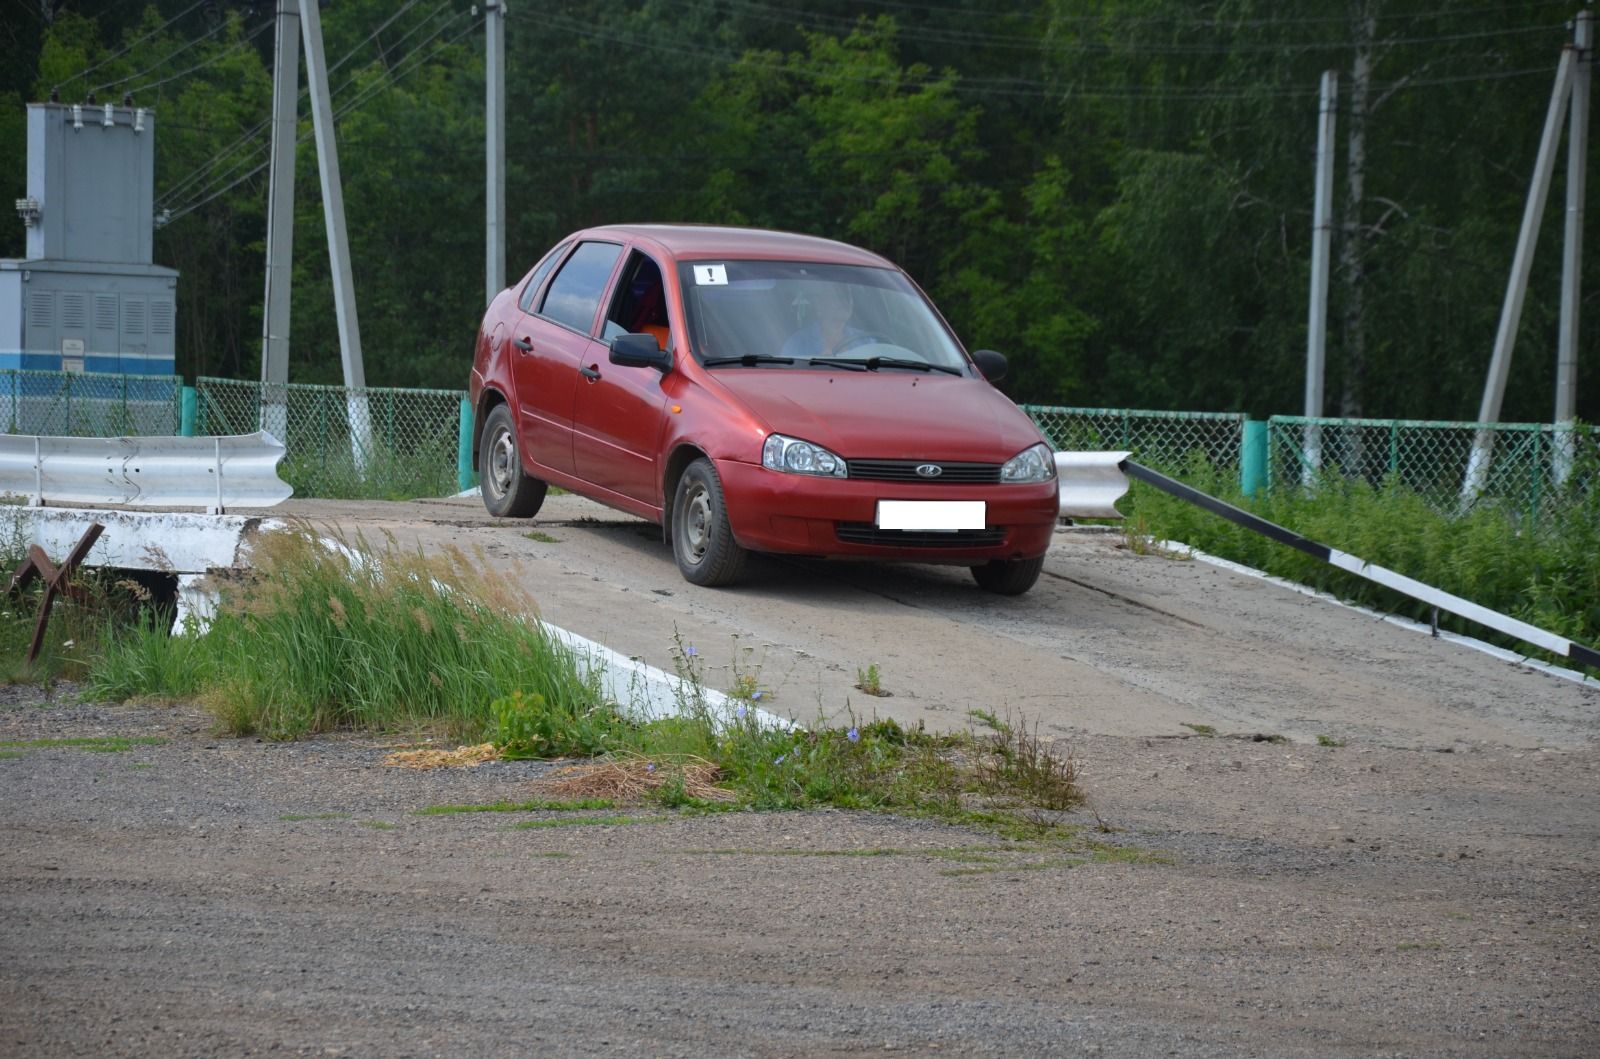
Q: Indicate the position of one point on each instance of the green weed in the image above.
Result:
(541, 537)
(1328, 740)
(869, 681)
(1207, 730)
(109, 744)
(1018, 764)
(526, 726)
(589, 821)
(536, 805)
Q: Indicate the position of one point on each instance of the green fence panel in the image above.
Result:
(1533, 468)
(371, 443)
(1168, 441)
(89, 404)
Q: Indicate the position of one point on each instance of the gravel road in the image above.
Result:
(1429, 888)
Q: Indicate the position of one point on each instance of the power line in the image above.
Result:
(207, 35)
(1015, 42)
(1013, 87)
(391, 77)
(1308, 20)
(242, 43)
(211, 164)
(126, 48)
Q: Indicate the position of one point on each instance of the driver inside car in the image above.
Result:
(829, 332)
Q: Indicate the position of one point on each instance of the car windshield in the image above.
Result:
(786, 314)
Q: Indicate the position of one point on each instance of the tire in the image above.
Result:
(508, 490)
(702, 543)
(1008, 577)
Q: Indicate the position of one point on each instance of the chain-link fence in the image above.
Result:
(1531, 467)
(393, 443)
(346, 444)
(76, 404)
(1168, 441)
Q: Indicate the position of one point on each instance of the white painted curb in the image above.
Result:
(1179, 548)
(650, 693)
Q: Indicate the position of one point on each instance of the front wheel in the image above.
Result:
(1008, 577)
(508, 490)
(702, 543)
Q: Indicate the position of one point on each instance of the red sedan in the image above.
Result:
(757, 391)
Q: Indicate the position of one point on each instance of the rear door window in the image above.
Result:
(574, 295)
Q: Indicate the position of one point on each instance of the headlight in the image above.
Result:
(794, 456)
(1036, 464)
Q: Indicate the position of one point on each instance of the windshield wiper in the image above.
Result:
(749, 360)
(874, 363)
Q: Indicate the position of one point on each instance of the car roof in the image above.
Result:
(700, 241)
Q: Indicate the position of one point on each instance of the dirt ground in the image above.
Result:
(1431, 887)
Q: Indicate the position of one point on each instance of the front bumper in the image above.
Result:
(770, 511)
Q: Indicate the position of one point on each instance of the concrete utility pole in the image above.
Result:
(1321, 245)
(344, 291)
(1494, 388)
(280, 223)
(494, 124)
(1572, 251)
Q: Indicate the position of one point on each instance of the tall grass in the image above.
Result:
(318, 638)
(1546, 574)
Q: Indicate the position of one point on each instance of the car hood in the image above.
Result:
(886, 414)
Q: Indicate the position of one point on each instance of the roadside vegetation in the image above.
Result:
(339, 636)
(1545, 573)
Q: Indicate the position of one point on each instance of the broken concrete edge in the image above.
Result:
(1178, 548)
(193, 546)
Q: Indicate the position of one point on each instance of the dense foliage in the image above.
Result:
(1116, 193)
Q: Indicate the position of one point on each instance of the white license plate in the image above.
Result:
(948, 515)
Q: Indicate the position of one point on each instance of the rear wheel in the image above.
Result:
(508, 490)
(1008, 577)
(702, 543)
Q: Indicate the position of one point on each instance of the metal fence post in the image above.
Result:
(464, 473)
(188, 412)
(1253, 457)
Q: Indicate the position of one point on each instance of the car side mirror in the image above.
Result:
(640, 351)
(992, 364)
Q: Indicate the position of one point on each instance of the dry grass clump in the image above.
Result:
(435, 759)
(635, 778)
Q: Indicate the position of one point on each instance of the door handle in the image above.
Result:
(523, 344)
(592, 372)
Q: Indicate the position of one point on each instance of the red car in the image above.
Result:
(757, 391)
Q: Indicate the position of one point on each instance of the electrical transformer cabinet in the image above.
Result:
(88, 298)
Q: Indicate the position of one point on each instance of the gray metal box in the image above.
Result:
(91, 171)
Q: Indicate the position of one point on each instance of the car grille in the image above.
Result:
(906, 471)
(867, 533)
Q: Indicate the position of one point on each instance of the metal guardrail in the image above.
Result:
(1091, 483)
(214, 473)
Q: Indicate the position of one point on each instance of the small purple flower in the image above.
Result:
(853, 735)
(780, 759)
(755, 696)
(651, 767)
(741, 711)
(690, 651)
